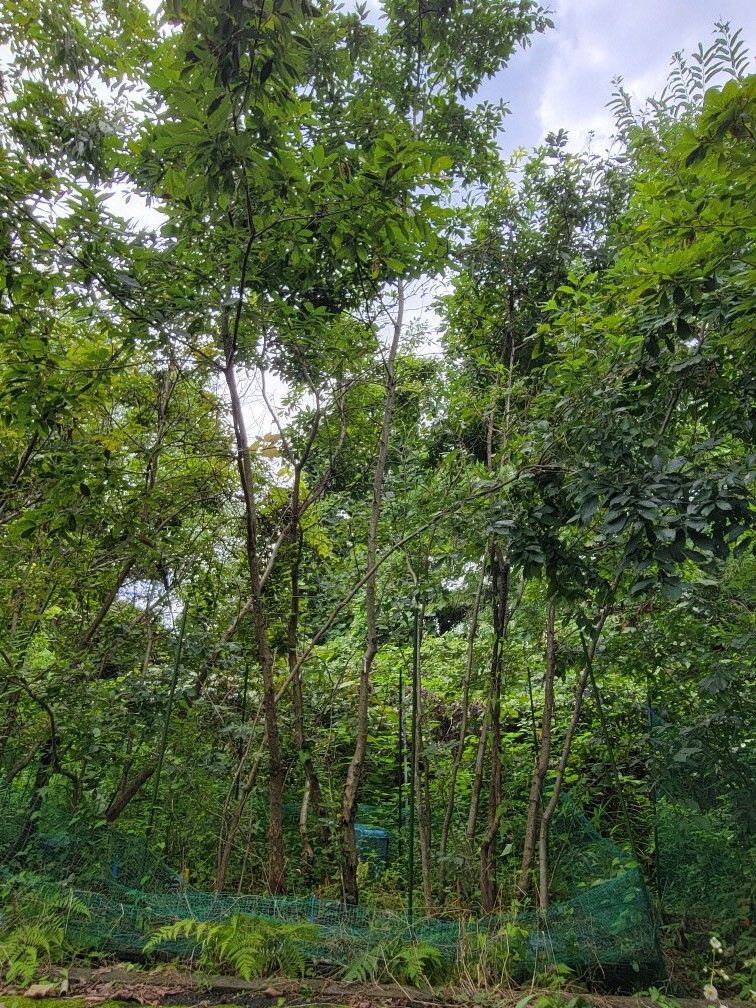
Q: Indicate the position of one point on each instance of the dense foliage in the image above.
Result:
(271, 550)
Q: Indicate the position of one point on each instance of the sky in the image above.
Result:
(563, 79)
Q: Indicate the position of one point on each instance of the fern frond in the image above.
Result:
(248, 946)
(365, 968)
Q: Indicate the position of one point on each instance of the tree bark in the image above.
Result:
(42, 777)
(85, 638)
(276, 865)
(577, 706)
(22, 762)
(131, 788)
(489, 889)
(477, 787)
(541, 765)
(420, 772)
(313, 793)
(354, 772)
(462, 738)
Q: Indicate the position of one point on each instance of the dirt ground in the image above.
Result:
(87, 988)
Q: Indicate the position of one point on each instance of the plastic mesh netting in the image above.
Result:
(602, 918)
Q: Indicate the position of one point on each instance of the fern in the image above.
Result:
(33, 927)
(365, 968)
(418, 962)
(247, 946)
(413, 963)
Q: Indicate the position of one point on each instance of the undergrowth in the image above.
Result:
(33, 923)
(402, 962)
(245, 945)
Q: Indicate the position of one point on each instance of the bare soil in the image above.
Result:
(92, 987)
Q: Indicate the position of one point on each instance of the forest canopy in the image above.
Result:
(288, 569)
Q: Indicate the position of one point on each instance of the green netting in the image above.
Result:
(608, 925)
(602, 916)
(372, 841)
(706, 870)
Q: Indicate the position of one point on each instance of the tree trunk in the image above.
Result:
(131, 788)
(477, 787)
(354, 773)
(313, 794)
(544, 753)
(276, 866)
(577, 706)
(85, 639)
(462, 738)
(166, 387)
(22, 763)
(420, 769)
(11, 717)
(226, 846)
(489, 889)
(41, 780)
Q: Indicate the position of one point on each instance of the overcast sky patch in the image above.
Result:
(563, 79)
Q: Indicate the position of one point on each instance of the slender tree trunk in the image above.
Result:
(225, 848)
(541, 765)
(354, 772)
(86, 637)
(477, 787)
(462, 738)
(131, 788)
(22, 762)
(11, 718)
(489, 889)
(577, 706)
(308, 854)
(248, 841)
(41, 779)
(313, 792)
(166, 386)
(26, 457)
(276, 866)
(420, 771)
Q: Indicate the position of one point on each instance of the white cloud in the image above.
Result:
(564, 79)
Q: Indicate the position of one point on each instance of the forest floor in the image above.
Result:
(114, 986)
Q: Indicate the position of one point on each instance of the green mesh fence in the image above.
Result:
(601, 918)
(372, 841)
(607, 927)
(706, 871)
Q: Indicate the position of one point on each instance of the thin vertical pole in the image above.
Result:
(400, 765)
(413, 743)
(243, 722)
(166, 723)
(657, 905)
(653, 790)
